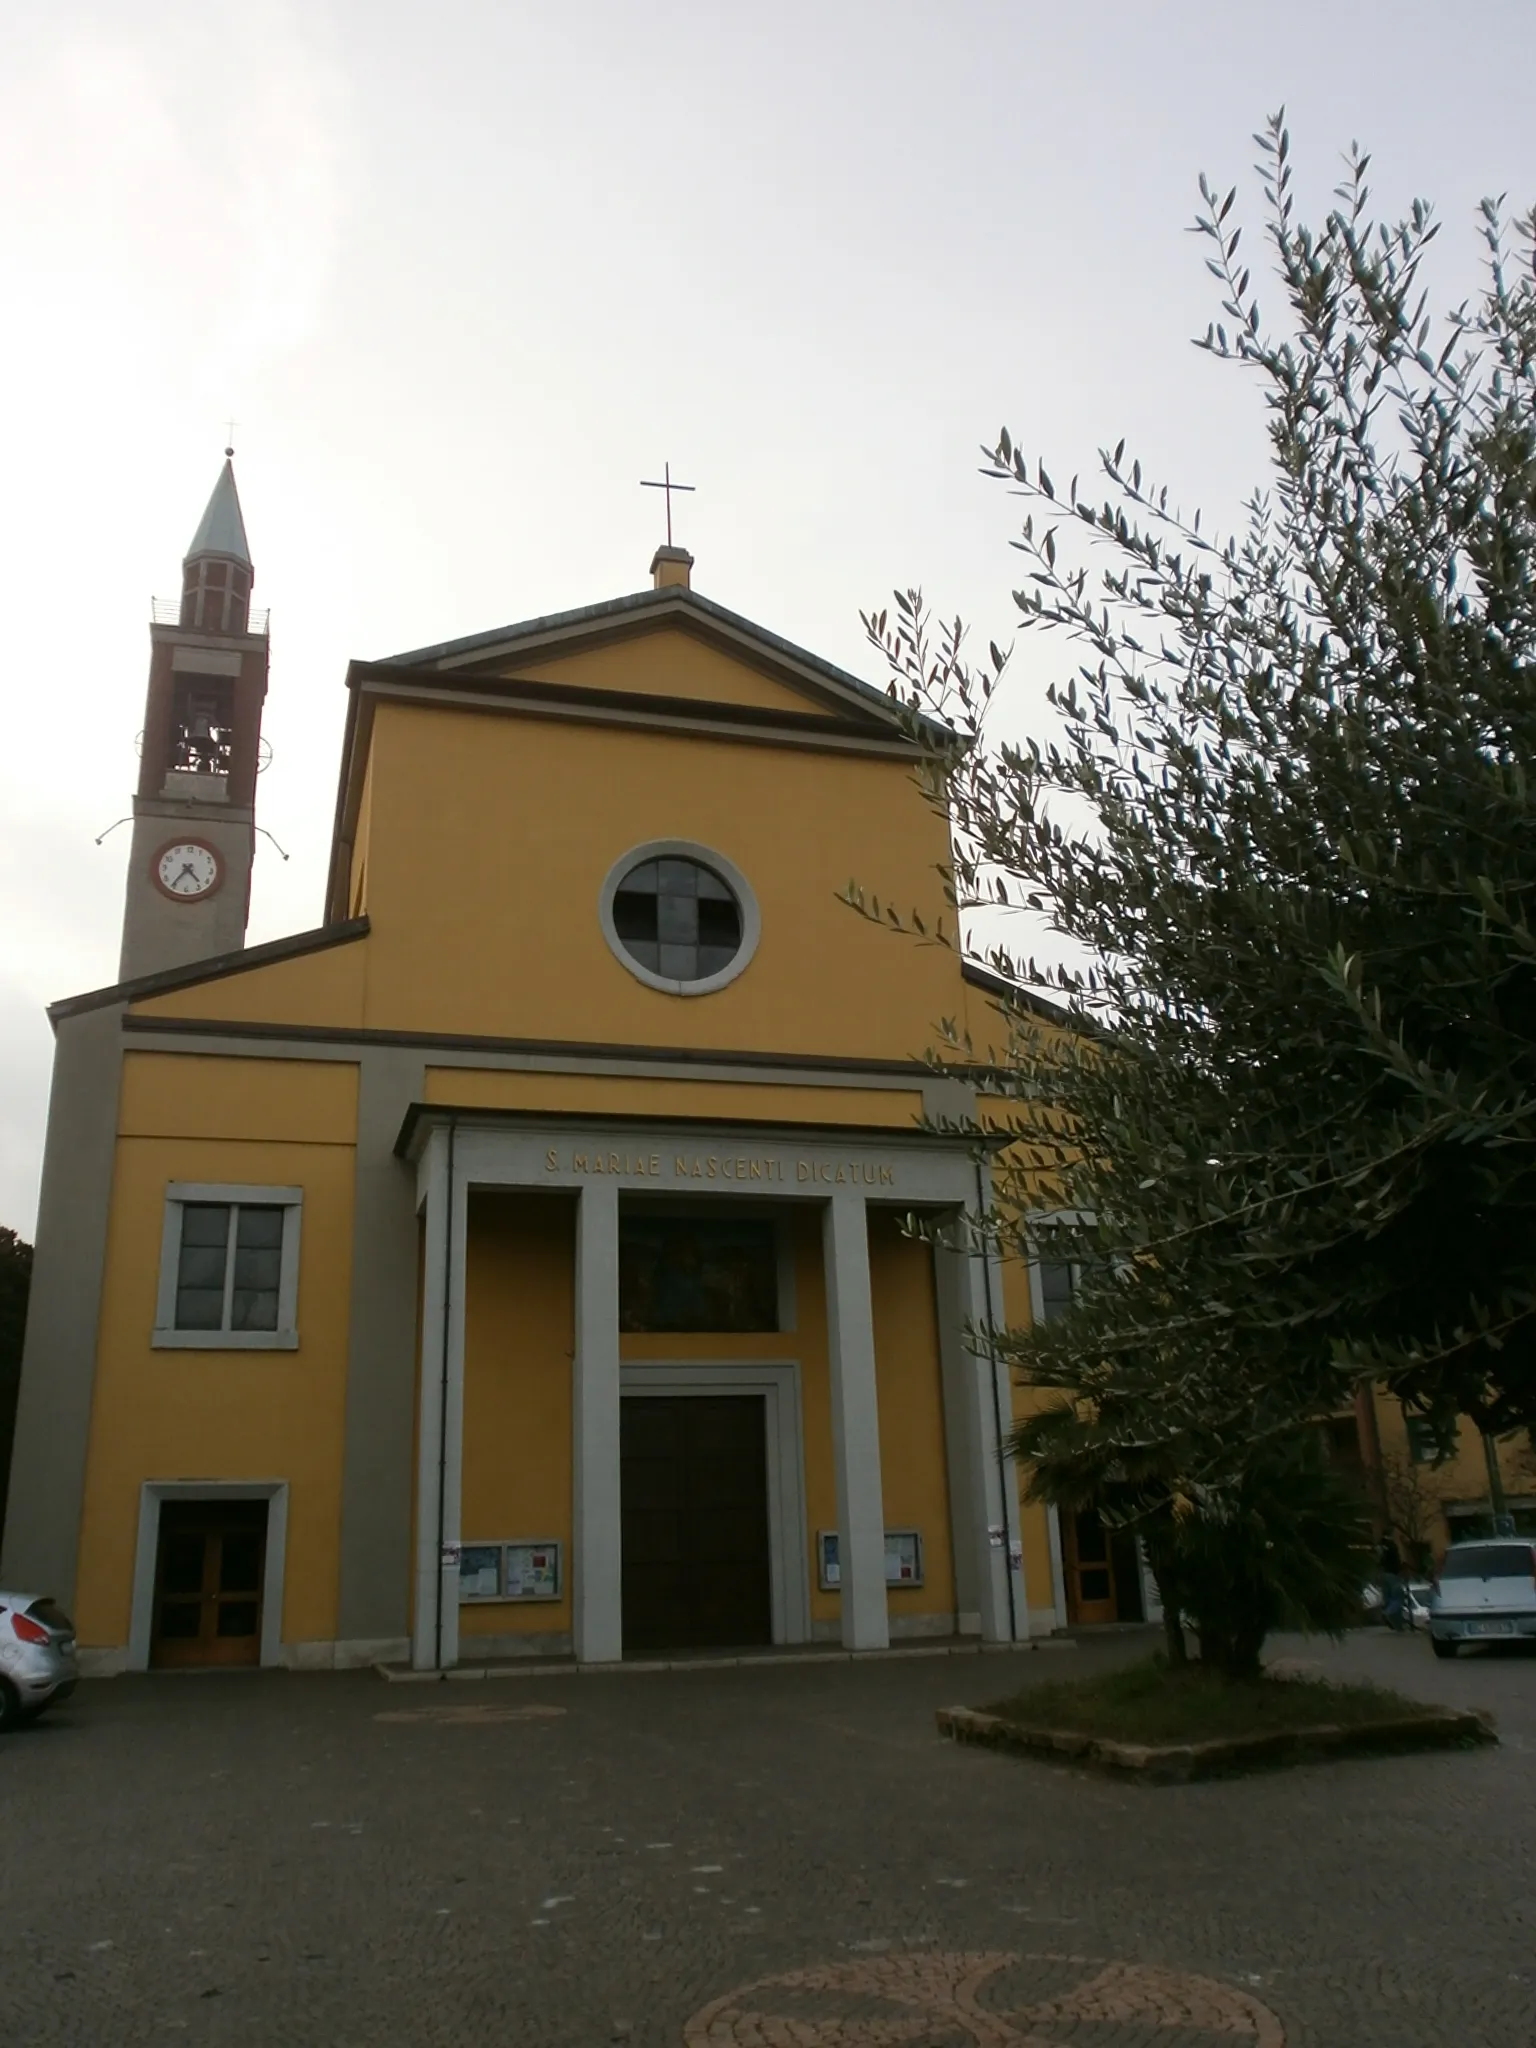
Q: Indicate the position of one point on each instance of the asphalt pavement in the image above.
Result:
(780, 1857)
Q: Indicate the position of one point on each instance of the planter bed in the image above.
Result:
(1142, 1722)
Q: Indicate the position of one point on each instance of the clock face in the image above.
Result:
(187, 869)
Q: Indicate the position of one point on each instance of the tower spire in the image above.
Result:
(217, 571)
(222, 528)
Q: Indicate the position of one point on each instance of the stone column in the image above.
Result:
(596, 1562)
(374, 1603)
(983, 1486)
(855, 1424)
(440, 1428)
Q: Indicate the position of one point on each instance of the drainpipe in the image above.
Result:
(1369, 1430)
(997, 1420)
(1503, 1520)
(442, 1404)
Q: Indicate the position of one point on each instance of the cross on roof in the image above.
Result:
(651, 484)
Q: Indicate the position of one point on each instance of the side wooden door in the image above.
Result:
(1089, 1567)
(208, 1583)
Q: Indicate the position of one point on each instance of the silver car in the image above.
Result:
(1485, 1592)
(37, 1656)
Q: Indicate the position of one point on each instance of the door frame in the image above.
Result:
(151, 1494)
(1058, 1564)
(777, 1381)
(1074, 1569)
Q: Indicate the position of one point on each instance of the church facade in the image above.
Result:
(515, 1264)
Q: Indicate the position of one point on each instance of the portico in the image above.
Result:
(849, 1175)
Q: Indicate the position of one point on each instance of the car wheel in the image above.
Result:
(1443, 1649)
(12, 1714)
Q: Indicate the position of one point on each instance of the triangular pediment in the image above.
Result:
(662, 660)
(670, 645)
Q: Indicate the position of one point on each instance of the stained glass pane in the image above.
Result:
(680, 1273)
(205, 1223)
(634, 917)
(1056, 1288)
(677, 918)
(260, 1226)
(253, 1308)
(720, 924)
(200, 1266)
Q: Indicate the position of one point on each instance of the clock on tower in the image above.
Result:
(189, 873)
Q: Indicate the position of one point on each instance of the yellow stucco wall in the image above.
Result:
(222, 1414)
(518, 1337)
(176, 1095)
(325, 987)
(484, 902)
(913, 1464)
(671, 663)
(619, 1095)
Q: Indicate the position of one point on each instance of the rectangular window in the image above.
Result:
(695, 1273)
(1058, 1287)
(1424, 1446)
(229, 1268)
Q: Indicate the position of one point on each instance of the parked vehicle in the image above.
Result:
(1416, 1602)
(37, 1656)
(1485, 1591)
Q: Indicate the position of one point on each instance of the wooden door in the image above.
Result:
(1090, 1568)
(694, 1522)
(208, 1577)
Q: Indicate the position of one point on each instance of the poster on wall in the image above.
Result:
(903, 1559)
(479, 1571)
(532, 1571)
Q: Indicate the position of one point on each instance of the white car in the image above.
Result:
(37, 1656)
(1485, 1592)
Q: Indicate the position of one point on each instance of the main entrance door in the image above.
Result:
(208, 1575)
(694, 1521)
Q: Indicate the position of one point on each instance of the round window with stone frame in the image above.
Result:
(680, 917)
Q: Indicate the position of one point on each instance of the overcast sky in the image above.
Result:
(464, 273)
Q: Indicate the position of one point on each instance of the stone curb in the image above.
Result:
(401, 1674)
(1178, 1763)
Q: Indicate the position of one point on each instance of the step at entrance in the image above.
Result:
(694, 1522)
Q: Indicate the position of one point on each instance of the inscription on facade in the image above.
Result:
(731, 1166)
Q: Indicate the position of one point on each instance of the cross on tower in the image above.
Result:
(651, 484)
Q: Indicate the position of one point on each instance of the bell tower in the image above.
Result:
(189, 874)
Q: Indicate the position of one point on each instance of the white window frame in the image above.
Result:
(285, 1337)
(705, 856)
(1046, 1217)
